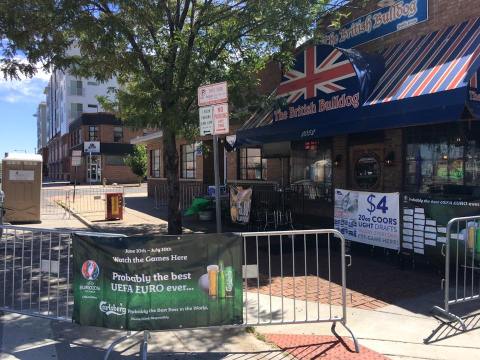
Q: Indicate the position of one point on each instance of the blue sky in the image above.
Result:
(18, 103)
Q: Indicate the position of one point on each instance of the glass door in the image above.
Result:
(94, 169)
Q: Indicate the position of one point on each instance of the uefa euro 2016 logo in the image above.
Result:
(90, 270)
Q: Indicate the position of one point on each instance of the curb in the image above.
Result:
(79, 217)
(83, 220)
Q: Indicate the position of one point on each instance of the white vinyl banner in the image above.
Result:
(368, 217)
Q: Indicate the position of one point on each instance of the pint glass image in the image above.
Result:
(212, 280)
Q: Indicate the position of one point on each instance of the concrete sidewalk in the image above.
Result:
(30, 338)
(392, 330)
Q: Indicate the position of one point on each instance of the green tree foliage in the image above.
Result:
(138, 161)
(160, 51)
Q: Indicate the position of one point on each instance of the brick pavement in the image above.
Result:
(308, 347)
(313, 288)
(372, 282)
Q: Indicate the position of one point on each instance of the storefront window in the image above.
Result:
(442, 159)
(155, 163)
(188, 161)
(312, 167)
(115, 160)
(252, 166)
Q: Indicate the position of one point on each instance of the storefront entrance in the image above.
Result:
(94, 169)
(366, 167)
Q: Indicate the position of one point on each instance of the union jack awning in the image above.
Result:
(439, 61)
(425, 80)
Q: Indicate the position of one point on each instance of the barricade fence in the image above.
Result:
(36, 271)
(54, 202)
(92, 199)
(188, 192)
(462, 263)
(290, 277)
(58, 202)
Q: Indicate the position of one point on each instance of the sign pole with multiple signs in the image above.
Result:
(213, 111)
(76, 162)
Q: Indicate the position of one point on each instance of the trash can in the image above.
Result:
(114, 208)
(22, 185)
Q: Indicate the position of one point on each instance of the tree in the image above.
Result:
(160, 51)
(138, 161)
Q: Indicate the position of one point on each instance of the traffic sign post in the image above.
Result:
(76, 161)
(213, 111)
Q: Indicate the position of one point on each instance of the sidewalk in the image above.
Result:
(30, 338)
(393, 331)
(388, 310)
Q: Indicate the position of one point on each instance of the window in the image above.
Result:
(75, 137)
(188, 161)
(93, 133)
(155, 163)
(76, 87)
(115, 160)
(75, 110)
(311, 169)
(442, 158)
(92, 106)
(117, 134)
(92, 83)
(252, 166)
(367, 171)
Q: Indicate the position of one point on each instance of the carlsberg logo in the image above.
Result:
(110, 309)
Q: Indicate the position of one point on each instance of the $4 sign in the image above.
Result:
(381, 205)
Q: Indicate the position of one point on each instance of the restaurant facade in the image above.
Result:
(387, 104)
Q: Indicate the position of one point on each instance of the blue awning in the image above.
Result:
(428, 79)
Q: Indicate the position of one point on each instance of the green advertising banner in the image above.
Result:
(158, 283)
(425, 218)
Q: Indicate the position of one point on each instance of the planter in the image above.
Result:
(206, 215)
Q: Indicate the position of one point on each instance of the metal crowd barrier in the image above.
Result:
(54, 202)
(92, 199)
(462, 263)
(36, 271)
(299, 276)
(58, 202)
(188, 192)
(290, 277)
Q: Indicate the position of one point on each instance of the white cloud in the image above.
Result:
(28, 90)
(24, 90)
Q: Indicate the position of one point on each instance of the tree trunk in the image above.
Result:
(173, 183)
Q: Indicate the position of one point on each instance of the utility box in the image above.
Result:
(22, 185)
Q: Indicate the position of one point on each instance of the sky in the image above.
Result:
(18, 103)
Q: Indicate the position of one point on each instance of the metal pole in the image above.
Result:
(74, 185)
(89, 168)
(217, 184)
(224, 167)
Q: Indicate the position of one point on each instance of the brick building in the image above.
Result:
(401, 117)
(110, 141)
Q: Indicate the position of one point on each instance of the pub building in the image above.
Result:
(388, 103)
